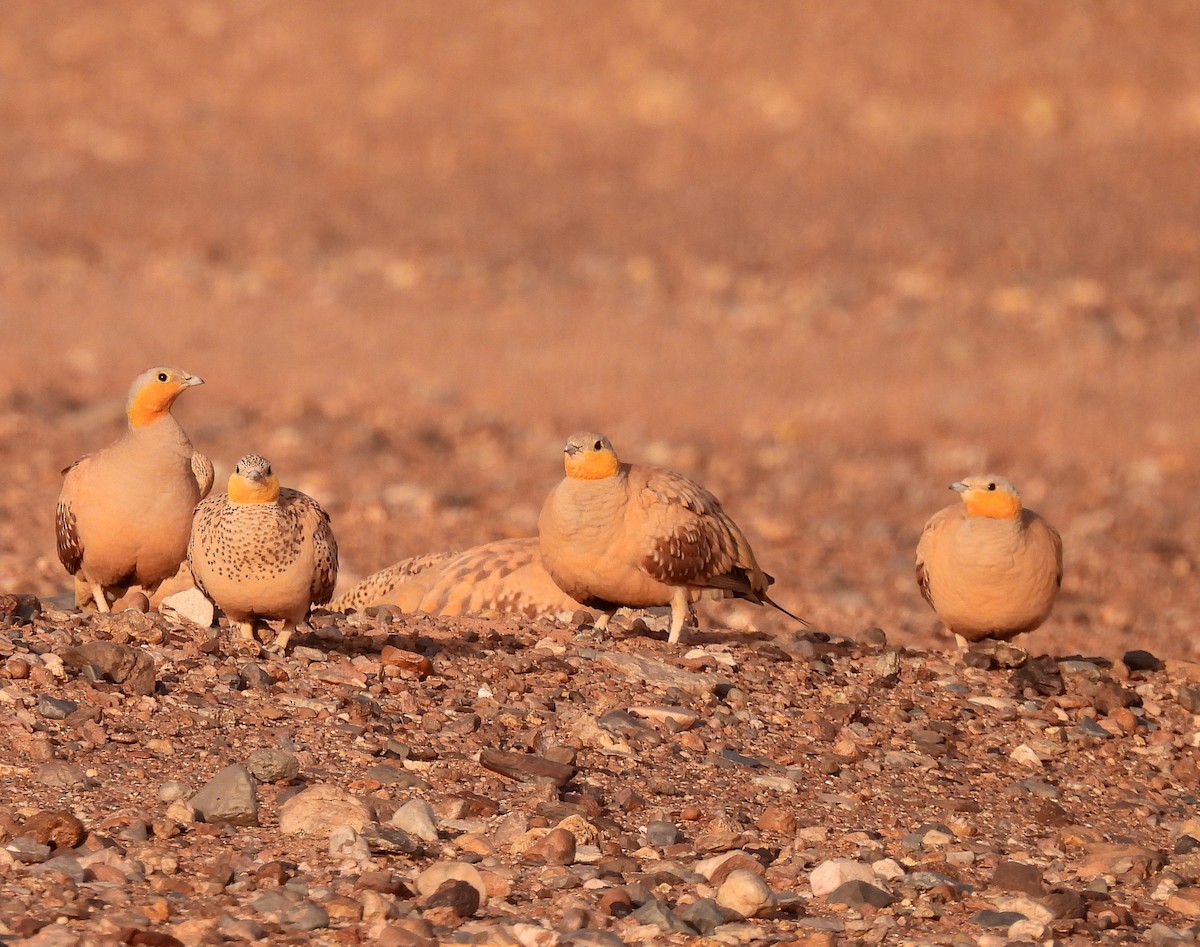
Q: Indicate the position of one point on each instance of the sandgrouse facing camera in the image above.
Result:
(125, 513)
(633, 535)
(262, 551)
(989, 567)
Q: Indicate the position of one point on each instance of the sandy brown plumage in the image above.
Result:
(634, 535)
(989, 567)
(124, 513)
(505, 576)
(263, 552)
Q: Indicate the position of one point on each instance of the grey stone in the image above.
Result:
(228, 798)
(857, 893)
(416, 817)
(1004, 919)
(305, 916)
(661, 833)
(272, 765)
(55, 708)
(657, 913)
(389, 840)
(703, 916)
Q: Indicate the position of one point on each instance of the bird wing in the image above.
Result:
(391, 585)
(203, 519)
(930, 536)
(66, 530)
(502, 576)
(325, 551)
(202, 470)
(688, 539)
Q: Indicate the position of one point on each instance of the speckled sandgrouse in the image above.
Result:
(263, 552)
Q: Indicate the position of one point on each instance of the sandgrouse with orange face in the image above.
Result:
(262, 551)
(632, 535)
(989, 567)
(125, 513)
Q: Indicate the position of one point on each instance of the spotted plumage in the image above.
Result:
(124, 513)
(634, 535)
(263, 552)
(505, 576)
(989, 567)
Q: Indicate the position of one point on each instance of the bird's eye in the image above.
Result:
(268, 470)
(991, 486)
(163, 376)
(599, 445)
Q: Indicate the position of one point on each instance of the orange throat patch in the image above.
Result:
(994, 504)
(152, 403)
(244, 490)
(591, 465)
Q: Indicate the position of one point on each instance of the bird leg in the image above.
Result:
(682, 613)
(100, 598)
(601, 623)
(284, 636)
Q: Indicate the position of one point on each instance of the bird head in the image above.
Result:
(154, 391)
(252, 481)
(989, 495)
(590, 456)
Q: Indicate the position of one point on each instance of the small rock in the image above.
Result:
(460, 896)
(130, 667)
(746, 893)
(320, 809)
(228, 798)
(417, 818)
(436, 875)
(305, 916)
(189, 605)
(557, 847)
(856, 893)
(345, 842)
(526, 766)
(1138, 660)
(61, 775)
(28, 850)
(660, 834)
(272, 765)
(703, 916)
(655, 912)
(55, 708)
(390, 840)
(57, 826)
(830, 875)
(1018, 876)
(1004, 919)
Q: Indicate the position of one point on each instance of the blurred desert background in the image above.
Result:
(824, 258)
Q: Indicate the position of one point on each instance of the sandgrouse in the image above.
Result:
(989, 567)
(633, 535)
(505, 576)
(125, 512)
(262, 551)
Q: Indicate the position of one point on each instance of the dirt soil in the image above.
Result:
(823, 258)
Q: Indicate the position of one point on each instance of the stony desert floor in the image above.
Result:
(824, 259)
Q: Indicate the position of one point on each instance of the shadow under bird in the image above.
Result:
(263, 552)
(618, 535)
(125, 512)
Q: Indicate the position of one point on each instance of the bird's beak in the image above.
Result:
(958, 487)
(572, 449)
(192, 380)
(255, 475)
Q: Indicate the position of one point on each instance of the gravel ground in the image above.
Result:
(824, 259)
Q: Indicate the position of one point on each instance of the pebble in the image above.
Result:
(305, 916)
(703, 916)
(432, 878)
(556, 847)
(416, 817)
(320, 809)
(661, 834)
(746, 893)
(830, 875)
(54, 708)
(131, 668)
(190, 605)
(273, 765)
(856, 893)
(58, 774)
(657, 914)
(460, 896)
(526, 766)
(59, 827)
(228, 798)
